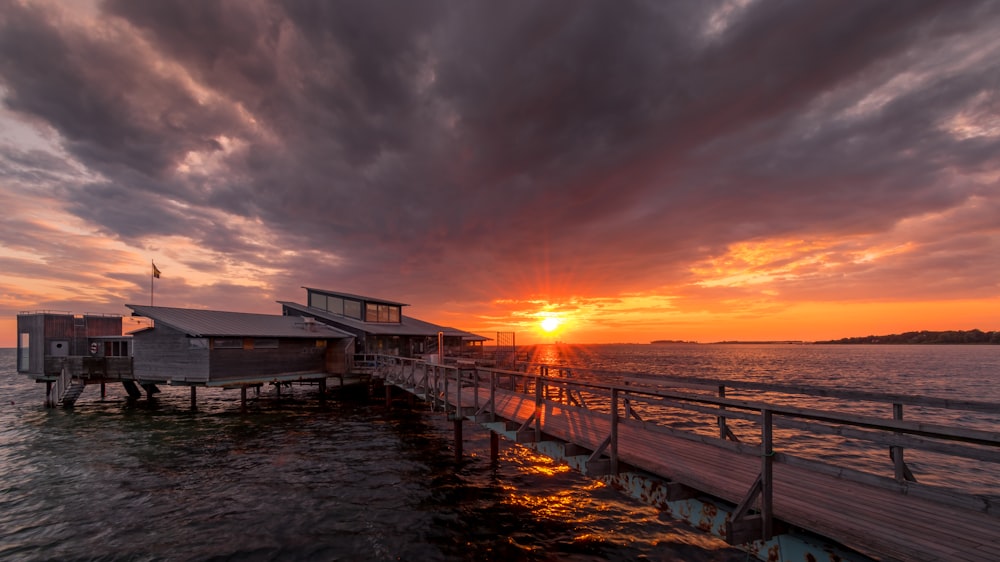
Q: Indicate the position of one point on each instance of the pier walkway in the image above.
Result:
(764, 464)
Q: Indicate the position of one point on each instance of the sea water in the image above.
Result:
(349, 480)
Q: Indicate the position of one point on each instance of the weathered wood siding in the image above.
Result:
(291, 356)
(162, 354)
(34, 325)
(340, 357)
(103, 325)
(70, 332)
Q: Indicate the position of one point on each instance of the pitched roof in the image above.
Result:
(407, 326)
(204, 323)
(354, 297)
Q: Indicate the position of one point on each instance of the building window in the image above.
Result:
(24, 346)
(381, 313)
(116, 348)
(352, 309)
(265, 343)
(227, 343)
(317, 300)
(335, 305)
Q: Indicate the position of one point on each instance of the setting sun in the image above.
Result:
(550, 324)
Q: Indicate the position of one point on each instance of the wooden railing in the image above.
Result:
(775, 413)
(58, 388)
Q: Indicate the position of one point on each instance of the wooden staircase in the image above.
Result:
(66, 390)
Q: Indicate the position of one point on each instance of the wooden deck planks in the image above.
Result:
(843, 510)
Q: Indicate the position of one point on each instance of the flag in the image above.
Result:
(156, 272)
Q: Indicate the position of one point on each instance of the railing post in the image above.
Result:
(614, 431)
(458, 392)
(539, 388)
(766, 476)
(897, 452)
(722, 419)
(902, 472)
(475, 387)
(493, 396)
(444, 399)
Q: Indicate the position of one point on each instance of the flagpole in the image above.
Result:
(151, 276)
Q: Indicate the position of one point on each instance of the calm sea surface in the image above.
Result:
(290, 480)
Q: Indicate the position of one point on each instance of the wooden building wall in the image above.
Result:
(162, 353)
(34, 326)
(291, 356)
(340, 357)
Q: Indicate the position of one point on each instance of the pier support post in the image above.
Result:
(243, 398)
(48, 393)
(194, 397)
(494, 448)
(103, 391)
(458, 439)
(322, 391)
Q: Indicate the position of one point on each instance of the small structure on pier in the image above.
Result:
(49, 341)
(191, 347)
(216, 348)
(379, 325)
(65, 351)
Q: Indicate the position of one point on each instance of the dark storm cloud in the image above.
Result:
(589, 139)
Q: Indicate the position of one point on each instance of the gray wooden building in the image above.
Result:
(49, 342)
(380, 326)
(216, 348)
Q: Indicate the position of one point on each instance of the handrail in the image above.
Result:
(62, 382)
(808, 390)
(893, 429)
(609, 399)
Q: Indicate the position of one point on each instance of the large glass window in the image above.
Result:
(317, 300)
(24, 346)
(382, 313)
(335, 305)
(352, 309)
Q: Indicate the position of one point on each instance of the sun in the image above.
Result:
(550, 324)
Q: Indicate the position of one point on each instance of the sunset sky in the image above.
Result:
(696, 170)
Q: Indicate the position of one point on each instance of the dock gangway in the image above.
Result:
(773, 468)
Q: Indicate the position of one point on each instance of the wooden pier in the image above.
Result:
(731, 475)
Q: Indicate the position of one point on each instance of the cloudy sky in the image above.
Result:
(698, 170)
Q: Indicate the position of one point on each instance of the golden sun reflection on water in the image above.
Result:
(599, 515)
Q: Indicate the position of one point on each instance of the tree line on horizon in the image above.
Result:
(928, 337)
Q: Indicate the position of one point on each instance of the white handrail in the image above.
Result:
(59, 388)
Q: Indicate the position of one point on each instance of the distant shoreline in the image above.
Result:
(923, 337)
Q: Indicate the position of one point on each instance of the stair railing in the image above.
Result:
(59, 388)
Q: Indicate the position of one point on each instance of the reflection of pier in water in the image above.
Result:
(728, 457)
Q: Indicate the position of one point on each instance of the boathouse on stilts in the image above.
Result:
(184, 347)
